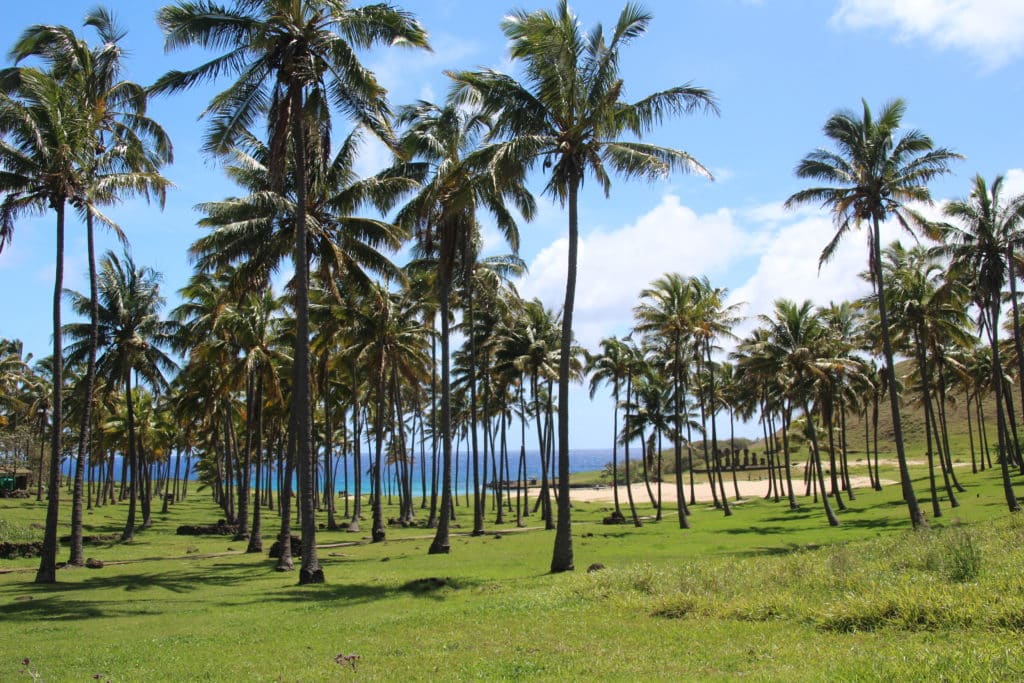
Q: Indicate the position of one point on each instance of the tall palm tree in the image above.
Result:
(44, 135)
(568, 116)
(982, 242)
(872, 175)
(292, 58)
(712, 319)
(610, 366)
(666, 309)
(132, 337)
(129, 150)
(798, 343)
(442, 216)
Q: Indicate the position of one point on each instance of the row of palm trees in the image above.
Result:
(356, 327)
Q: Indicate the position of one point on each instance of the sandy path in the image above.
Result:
(748, 489)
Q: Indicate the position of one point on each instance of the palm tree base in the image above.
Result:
(307, 576)
(439, 549)
(48, 575)
(287, 566)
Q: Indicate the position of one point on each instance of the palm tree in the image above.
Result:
(711, 319)
(610, 365)
(982, 243)
(293, 57)
(44, 135)
(927, 310)
(666, 309)
(131, 341)
(568, 116)
(129, 150)
(871, 178)
(442, 216)
(797, 343)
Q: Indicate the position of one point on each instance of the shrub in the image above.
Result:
(963, 556)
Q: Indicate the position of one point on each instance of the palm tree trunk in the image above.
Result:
(47, 572)
(626, 440)
(133, 462)
(85, 430)
(562, 555)
(1018, 344)
(256, 533)
(441, 543)
(310, 572)
(917, 518)
(284, 537)
(997, 388)
(617, 509)
(677, 438)
(816, 458)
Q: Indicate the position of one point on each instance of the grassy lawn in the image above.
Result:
(766, 594)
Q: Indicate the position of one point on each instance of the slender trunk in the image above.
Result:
(47, 572)
(677, 438)
(617, 509)
(310, 571)
(284, 536)
(629, 479)
(256, 533)
(133, 462)
(85, 430)
(714, 430)
(562, 554)
(441, 543)
(377, 531)
(997, 388)
(786, 417)
(816, 457)
(1018, 344)
(917, 518)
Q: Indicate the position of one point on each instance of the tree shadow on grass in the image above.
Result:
(758, 529)
(774, 551)
(433, 588)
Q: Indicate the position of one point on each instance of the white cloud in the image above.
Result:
(614, 265)
(991, 30)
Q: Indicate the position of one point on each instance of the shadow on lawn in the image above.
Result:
(433, 588)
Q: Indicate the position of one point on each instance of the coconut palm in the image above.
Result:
(871, 177)
(131, 341)
(567, 115)
(711, 319)
(442, 216)
(665, 309)
(292, 59)
(797, 347)
(44, 135)
(982, 242)
(927, 310)
(610, 366)
(128, 152)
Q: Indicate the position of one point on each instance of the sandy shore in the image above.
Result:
(748, 489)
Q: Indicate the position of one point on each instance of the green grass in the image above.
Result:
(766, 594)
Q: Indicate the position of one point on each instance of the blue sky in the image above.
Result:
(779, 68)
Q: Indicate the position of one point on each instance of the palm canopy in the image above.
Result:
(984, 231)
(127, 148)
(42, 134)
(273, 46)
(873, 173)
(132, 335)
(252, 233)
(567, 112)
